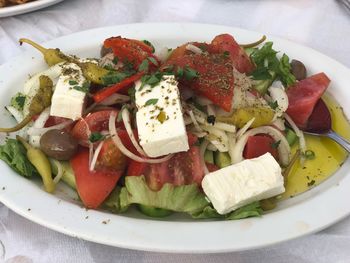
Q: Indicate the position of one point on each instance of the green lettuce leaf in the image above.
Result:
(250, 210)
(186, 198)
(14, 154)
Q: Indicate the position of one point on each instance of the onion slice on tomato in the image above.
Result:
(283, 147)
(95, 156)
(126, 120)
(124, 150)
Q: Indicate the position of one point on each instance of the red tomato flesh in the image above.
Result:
(93, 186)
(184, 168)
(240, 59)
(96, 121)
(303, 97)
(259, 145)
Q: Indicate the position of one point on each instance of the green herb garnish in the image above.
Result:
(190, 73)
(276, 144)
(95, 137)
(273, 105)
(149, 44)
(73, 82)
(144, 65)
(151, 102)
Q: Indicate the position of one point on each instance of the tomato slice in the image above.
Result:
(303, 97)
(130, 50)
(93, 186)
(215, 81)
(259, 145)
(184, 168)
(240, 59)
(96, 121)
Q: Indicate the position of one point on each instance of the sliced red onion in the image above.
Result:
(124, 150)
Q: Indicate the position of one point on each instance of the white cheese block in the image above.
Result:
(67, 101)
(243, 183)
(160, 122)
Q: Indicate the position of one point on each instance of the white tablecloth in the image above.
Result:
(321, 24)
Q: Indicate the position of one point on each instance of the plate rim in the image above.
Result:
(26, 8)
(33, 216)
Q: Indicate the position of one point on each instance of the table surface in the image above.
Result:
(321, 24)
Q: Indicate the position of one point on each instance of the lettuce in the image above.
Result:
(185, 198)
(250, 210)
(14, 154)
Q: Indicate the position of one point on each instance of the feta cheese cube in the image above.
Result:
(243, 183)
(159, 118)
(67, 101)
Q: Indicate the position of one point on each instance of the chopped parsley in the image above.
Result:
(131, 93)
(83, 88)
(153, 61)
(190, 73)
(114, 77)
(311, 183)
(276, 144)
(144, 66)
(18, 101)
(73, 82)
(274, 105)
(226, 53)
(149, 44)
(151, 80)
(95, 137)
(309, 154)
(151, 102)
(115, 60)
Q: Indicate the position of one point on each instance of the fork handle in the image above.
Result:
(339, 139)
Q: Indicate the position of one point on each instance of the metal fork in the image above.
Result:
(346, 3)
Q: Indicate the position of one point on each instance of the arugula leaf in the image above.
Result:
(14, 154)
(261, 73)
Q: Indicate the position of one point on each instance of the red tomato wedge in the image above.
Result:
(131, 50)
(259, 145)
(215, 79)
(93, 186)
(118, 87)
(240, 59)
(184, 168)
(96, 121)
(303, 97)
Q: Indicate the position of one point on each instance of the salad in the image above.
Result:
(208, 129)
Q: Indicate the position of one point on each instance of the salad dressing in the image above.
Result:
(329, 156)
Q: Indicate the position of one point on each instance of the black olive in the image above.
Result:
(298, 69)
(58, 144)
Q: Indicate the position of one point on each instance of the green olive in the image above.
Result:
(298, 69)
(58, 144)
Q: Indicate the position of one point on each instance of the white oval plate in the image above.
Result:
(304, 214)
(27, 7)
